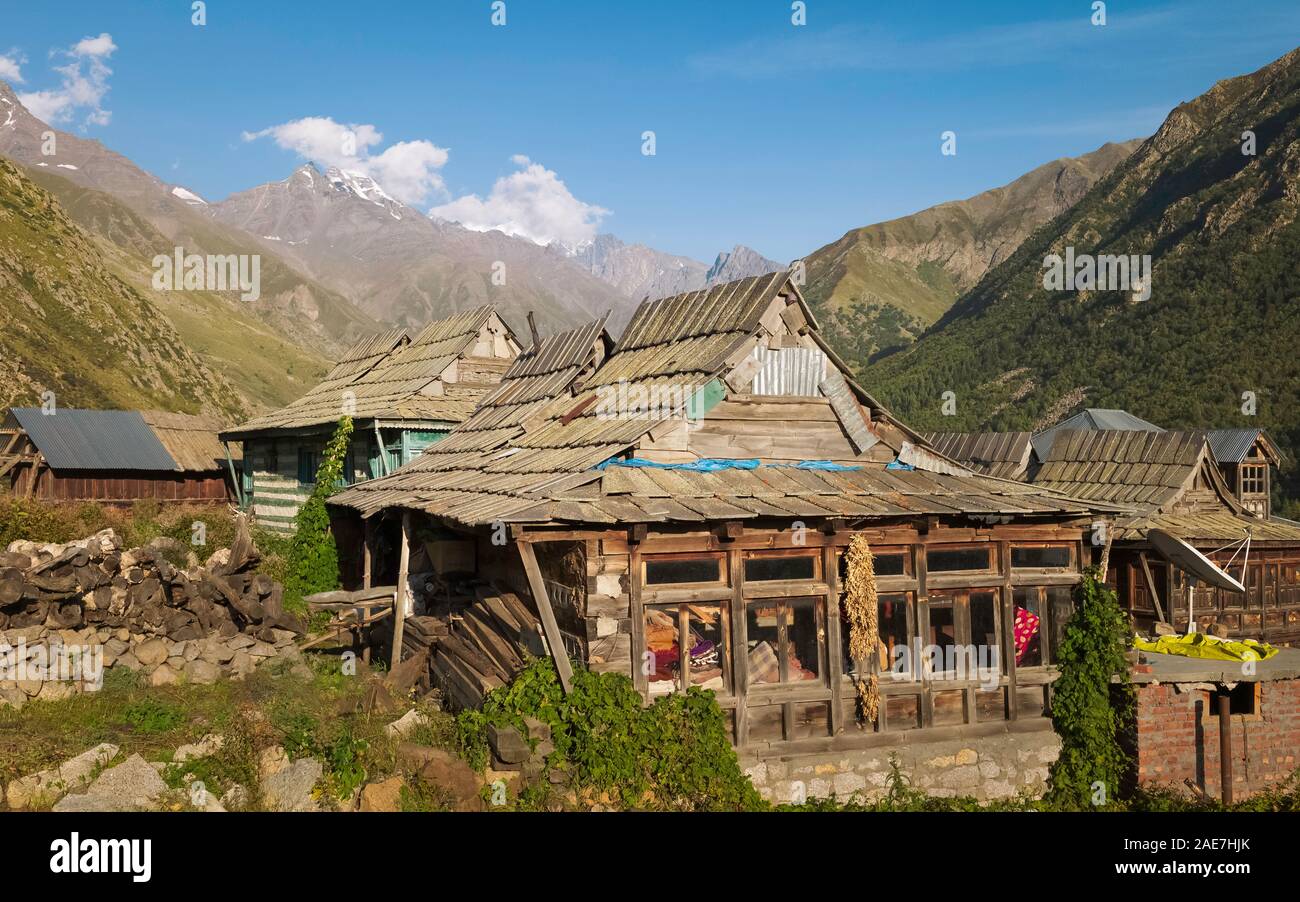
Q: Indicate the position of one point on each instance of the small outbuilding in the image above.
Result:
(115, 456)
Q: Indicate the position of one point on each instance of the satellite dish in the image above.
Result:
(1191, 561)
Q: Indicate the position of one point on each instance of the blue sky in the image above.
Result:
(777, 136)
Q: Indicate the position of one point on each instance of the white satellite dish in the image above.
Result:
(1191, 561)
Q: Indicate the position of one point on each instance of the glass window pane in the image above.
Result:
(1027, 627)
(803, 640)
(762, 632)
(708, 640)
(894, 639)
(760, 569)
(984, 629)
(1040, 556)
(669, 571)
(662, 643)
(891, 564)
(974, 557)
(942, 634)
(1060, 604)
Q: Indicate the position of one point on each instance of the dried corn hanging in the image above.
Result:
(863, 612)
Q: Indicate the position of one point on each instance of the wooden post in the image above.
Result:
(1225, 746)
(553, 637)
(367, 552)
(399, 602)
(234, 480)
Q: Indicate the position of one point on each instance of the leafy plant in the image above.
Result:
(313, 564)
(1092, 699)
(150, 715)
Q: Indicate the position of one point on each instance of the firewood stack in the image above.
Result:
(488, 642)
(94, 582)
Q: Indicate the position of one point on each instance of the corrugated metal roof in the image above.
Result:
(1231, 446)
(71, 439)
(1092, 419)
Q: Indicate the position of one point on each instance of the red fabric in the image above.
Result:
(1024, 631)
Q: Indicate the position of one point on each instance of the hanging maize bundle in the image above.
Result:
(863, 613)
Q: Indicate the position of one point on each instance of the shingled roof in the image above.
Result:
(538, 450)
(386, 376)
(1092, 419)
(122, 440)
(1001, 454)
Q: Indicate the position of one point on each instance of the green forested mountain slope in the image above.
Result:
(70, 326)
(878, 287)
(1223, 318)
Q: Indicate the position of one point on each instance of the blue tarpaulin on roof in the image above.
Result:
(897, 464)
(714, 464)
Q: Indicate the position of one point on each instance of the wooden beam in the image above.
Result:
(543, 600)
(367, 552)
(399, 602)
(234, 480)
(1151, 587)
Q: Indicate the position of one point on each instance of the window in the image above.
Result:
(1041, 556)
(895, 634)
(767, 567)
(887, 561)
(967, 557)
(308, 463)
(963, 634)
(671, 570)
(785, 640)
(704, 663)
(1254, 479)
(1029, 629)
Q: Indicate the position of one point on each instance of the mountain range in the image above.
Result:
(878, 287)
(1213, 199)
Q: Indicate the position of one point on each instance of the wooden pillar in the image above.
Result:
(739, 643)
(1225, 745)
(834, 650)
(367, 552)
(549, 624)
(399, 601)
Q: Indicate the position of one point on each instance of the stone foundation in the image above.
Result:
(986, 768)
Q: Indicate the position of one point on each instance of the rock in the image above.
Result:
(206, 801)
(130, 662)
(235, 798)
(539, 730)
(12, 696)
(131, 786)
(54, 690)
(151, 652)
(71, 774)
(507, 744)
(406, 724)
(262, 650)
(271, 761)
(208, 745)
(290, 789)
(202, 672)
(383, 796)
(240, 641)
(242, 663)
(163, 675)
(1164, 629)
(216, 652)
(454, 777)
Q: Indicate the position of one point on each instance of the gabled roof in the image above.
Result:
(1092, 418)
(385, 376)
(1002, 454)
(1232, 446)
(190, 440)
(71, 439)
(539, 449)
(1146, 470)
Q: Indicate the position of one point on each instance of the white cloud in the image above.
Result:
(408, 170)
(85, 84)
(11, 64)
(532, 203)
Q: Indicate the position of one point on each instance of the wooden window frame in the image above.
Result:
(823, 681)
(991, 570)
(719, 557)
(1070, 548)
(681, 610)
(764, 554)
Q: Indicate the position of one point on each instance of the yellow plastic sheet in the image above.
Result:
(1199, 645)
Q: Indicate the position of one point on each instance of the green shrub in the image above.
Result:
(313, 561)
(149, 715)
(673, 754)
(1092, 699)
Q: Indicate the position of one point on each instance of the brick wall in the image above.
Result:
(1178, 737)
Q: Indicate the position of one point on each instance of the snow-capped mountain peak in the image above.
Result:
(188, 196)
(357, 183)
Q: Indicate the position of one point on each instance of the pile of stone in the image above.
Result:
(154, 609)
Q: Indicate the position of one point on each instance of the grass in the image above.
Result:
(316, 715)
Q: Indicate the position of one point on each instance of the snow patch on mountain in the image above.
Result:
(188, 196)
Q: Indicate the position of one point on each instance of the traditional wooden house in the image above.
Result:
(402, 393)
(680, 512)
(1006, 455)
(1173, 482)
(1246, 458)
(114, 456)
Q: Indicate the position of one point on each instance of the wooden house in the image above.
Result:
(115, 456)
(1174, 483)
(679, 511)
(1246, 458)
(402, 393)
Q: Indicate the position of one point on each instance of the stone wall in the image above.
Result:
(1178, 737)
(990, 767)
